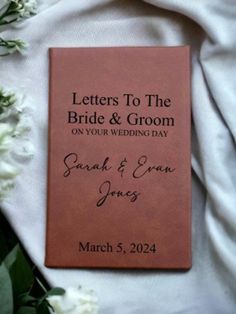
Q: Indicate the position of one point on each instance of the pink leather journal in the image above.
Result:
(119, 174)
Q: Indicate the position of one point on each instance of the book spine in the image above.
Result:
(50, 95)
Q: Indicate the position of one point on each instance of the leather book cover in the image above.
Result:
(119, 173)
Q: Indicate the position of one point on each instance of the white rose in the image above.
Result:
(74, 301)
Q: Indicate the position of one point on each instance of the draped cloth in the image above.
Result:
(209, 27)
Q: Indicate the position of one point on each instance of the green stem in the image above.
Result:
(41, 285)
(9, 11)
(3, 43)
(9, 22)
(4, 55)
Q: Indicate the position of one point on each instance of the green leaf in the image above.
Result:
(26, 299)
(56, 291)
(43, 308)
(19, 270)
(6, 298)
(26, 310)
(53, 291)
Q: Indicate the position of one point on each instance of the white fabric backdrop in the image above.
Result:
(210, 28)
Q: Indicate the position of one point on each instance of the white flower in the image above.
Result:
(5, 187)
(14, 144)
(11, 46)
(6, 99)
(17, 10)
(74, 301)
(6, 132)
(25, 8)
(7, 170)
